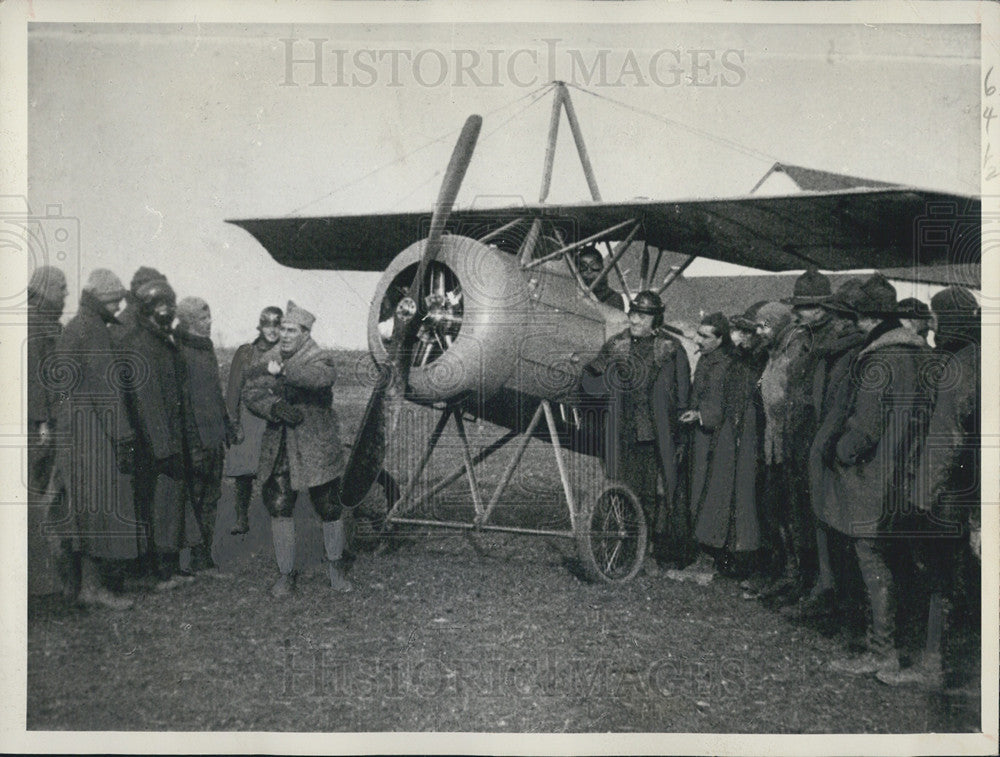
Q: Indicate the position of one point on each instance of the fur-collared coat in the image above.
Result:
(315, 454)
(789, 346)
(863, 452)
(667, 385)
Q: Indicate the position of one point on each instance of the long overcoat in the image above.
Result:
(667, 383)
(865, 444)
(727, 515)
(99, 516)
(243, 459)
(835, 358)
(708, 398)
(948, 471)
(156, 404)
(43, 332)
(315, 455)
(207, 406)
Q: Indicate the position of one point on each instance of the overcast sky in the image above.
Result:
(152, 136)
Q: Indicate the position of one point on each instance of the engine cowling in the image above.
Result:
(476, 301)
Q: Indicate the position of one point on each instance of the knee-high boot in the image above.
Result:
(881, 656)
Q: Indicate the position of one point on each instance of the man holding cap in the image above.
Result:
(291, 388)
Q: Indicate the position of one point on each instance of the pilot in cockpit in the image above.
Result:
(590, 263)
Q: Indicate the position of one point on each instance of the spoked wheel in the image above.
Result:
(611, 535)
(366, 526)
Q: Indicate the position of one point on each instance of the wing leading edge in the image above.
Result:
(841, 230)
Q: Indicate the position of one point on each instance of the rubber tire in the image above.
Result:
(630, 521)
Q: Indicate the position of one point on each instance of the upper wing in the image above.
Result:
(843, 230)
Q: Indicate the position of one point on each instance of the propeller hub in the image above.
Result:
(406, 308)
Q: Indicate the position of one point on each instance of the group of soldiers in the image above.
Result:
(130, 435)
(812, 430)
(814, 433)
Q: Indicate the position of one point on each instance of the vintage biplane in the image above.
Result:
(482, 314)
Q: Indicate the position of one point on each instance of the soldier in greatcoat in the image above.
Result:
(243, 457)
(46, 300)
(705, 415)
(946, 487)
(865, 447)
(157, 409)
(728, 522)
(95, 521)
(301, 450)
(644, 375)
(790, 431)
(210, 430)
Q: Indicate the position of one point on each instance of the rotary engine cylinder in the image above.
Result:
(476, 306)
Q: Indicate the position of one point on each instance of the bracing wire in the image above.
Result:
(745, 149)
(536, 93)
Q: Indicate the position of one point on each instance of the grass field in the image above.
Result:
(449, 632)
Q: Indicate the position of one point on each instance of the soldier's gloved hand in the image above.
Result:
(125, 456)
(287, 414)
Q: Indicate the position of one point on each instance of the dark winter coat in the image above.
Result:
(156, 402)
(99, 517)
(207, 407)
(834, 360)
(315, 455)
(865, 443)
(43, 331)
(948, 470)
(727, 512)
(708, 391)
(242, 459)
(664, 384)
